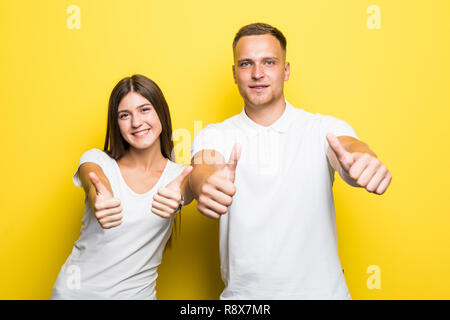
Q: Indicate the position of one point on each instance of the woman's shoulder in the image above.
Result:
(97, 156)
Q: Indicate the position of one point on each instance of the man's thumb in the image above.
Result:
(336, 145)
(234, 158)
(344, 157)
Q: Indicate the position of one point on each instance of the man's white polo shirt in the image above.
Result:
(278, 239)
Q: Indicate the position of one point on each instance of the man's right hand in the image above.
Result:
(107, 209)
(216, 193)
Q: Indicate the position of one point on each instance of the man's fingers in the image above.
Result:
(384, 184)
(207, 212)
(218, 195)
(368, 172)
(358, 167)
(212, 205)
(372, 186)
(99, 187)
(222, 184)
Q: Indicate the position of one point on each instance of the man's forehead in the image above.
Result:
(257, 47)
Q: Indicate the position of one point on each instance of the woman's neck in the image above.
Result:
(144, 159)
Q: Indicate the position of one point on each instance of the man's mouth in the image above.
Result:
(260, 87)
(141, 133)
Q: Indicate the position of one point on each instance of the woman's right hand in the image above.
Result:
(106, 208)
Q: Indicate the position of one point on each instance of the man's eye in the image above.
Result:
(270, 62)
(244, 64)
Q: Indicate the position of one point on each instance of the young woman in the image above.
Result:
(122, 241)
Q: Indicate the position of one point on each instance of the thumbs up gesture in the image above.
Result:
(107, 209)
(360, 168)
(217, 192)
(167, 200)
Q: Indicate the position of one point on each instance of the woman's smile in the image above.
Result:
(141, 133)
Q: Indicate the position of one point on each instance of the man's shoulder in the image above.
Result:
(227, 124)
(308, 116)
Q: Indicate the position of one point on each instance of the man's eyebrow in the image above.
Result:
(142, 105)
(263, 58)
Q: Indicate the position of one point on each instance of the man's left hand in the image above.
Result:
(363, 169)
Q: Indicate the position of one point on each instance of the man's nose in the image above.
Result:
(257, 71)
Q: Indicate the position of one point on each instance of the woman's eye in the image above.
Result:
(145, 109)
(123, 116)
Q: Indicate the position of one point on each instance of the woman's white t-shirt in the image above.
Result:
(121, 262)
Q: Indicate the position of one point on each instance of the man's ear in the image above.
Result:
(287, 71)
(234, 74)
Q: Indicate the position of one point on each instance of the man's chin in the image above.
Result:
(258, 101)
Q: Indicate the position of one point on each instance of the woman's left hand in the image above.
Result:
(168, 199)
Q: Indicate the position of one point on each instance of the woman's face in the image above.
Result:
(138, 121)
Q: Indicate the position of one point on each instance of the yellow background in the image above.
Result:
(391, 85)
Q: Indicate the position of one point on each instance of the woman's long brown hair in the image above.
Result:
(115, 145)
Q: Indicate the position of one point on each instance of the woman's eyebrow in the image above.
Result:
(142, 105)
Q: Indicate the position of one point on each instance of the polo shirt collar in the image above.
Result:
(281, 125)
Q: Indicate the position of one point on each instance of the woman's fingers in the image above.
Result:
(100, 214)
(106, 204)
(112, 224)
(111, 219)
(167, 198)
(163, 207)
(108, 212)
(160, 213)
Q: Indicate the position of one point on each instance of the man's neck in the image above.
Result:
(265, 115)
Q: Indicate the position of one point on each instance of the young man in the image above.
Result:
(268, 172)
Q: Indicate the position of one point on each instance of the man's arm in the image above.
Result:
(357, 164)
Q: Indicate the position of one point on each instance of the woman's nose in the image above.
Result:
(136, 121)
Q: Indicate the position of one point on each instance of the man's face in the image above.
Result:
(260, 69)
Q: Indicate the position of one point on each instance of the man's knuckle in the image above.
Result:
(223, 210)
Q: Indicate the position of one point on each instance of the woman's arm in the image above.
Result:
(87, 184)
(106, 208)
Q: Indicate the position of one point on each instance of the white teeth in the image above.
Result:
(141, 133)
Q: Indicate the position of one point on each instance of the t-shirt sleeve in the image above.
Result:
(338, 127)
(211, 138)
(95, 156)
